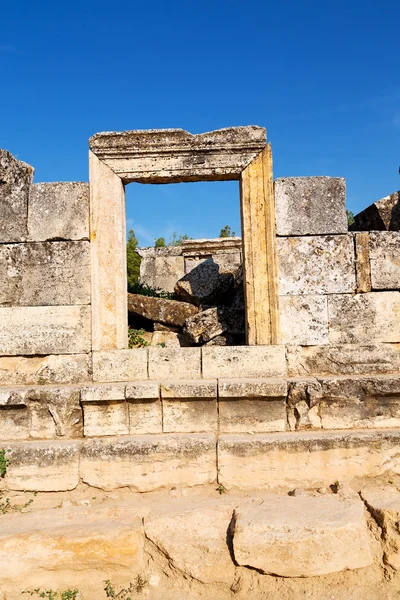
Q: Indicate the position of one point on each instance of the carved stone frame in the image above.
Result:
(173, 156)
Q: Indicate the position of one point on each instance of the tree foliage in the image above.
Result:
(350, 217)
(132, 259)
(226, 232)
(160, 243)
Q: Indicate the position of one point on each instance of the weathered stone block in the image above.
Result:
(120, 365)
(161, 310)
(305, 459)
(304, 320)
(55, 412)
(243, 361)
(174, 363)
(51, 466)
(303, 404)
(383, 503)
(383, 215)
(211, 323)
(310, 205)
(384, 260)
(59, 211)
(45, 330)
(45, 273)
(147, 463)
(160, 268)
(302, 537)
(109, 417)
(364, 318)
(144, 407)
(363, 266)
(357, 402)
(343, 359)
(16, 178)
(208, 283)
(252, 406)
(189, 406)
(42, 370)
(14, 423)
(316, 265)
(97, 393)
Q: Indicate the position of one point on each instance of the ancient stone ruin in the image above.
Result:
(303, 399)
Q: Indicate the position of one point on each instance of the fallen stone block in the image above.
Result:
(149, 462)
(310, 205)
(59, 211)
(383, 215)
(302, 536)
(161, 310)
(213, 322)
(207, 284)
(16, 178)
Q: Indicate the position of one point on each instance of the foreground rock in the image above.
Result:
(213, 322)
(209, 283)
(301, 536)
(160, 310)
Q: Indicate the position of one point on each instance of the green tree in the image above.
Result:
(350, 217)
(160, 243)
(226, 232)
(177, 241)
(132, 259)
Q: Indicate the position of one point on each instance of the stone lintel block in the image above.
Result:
(97, 393)
(120, 365)
(252, 388)
(45, 274)
(59, 211)
(304, 320)
(143, 390)
(364, 318)
(174, 363)
(310, 205)
(243, 361)
(305, 459)
(105, 417)
(149, 462)
(384, 259)
(279, 536)
(189, 390)
(343, 359)
(16, 178)
(316, 265)
(45, 330)
(51, 466)
(181, 156)
(42, 370)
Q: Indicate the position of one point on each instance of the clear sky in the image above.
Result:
(322, 77)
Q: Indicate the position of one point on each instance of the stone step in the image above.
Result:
(150, 462)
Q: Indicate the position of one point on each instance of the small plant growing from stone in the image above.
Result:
(135, 339)
(221, 489)
(125, 593)
(4, 462)
(54, 595)
(7, 507)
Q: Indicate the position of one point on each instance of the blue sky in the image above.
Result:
(323, 78)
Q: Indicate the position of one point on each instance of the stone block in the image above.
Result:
(160, 310)
(59, 211)
(108, 417)
(304, 320)
(360, 402)
(189, 406)
(302, 537)
(310, 205)
(120, 365)
(45, 330)
(161, 268)
(174, 363)
(16, 178)
(363, 266)
(343, 359)
(316, 265)
(364, 318)
(385, 260)
(305, 459)
(383, 504)
(14, 423)
(55, 412)
(50, 466)
(144, 407)
(45, 273)
(209, 283)
(98, 393)
(383, 215)
(42, 370)
(303, 404)
(243, 361)
(252, 405)
(146, 463)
